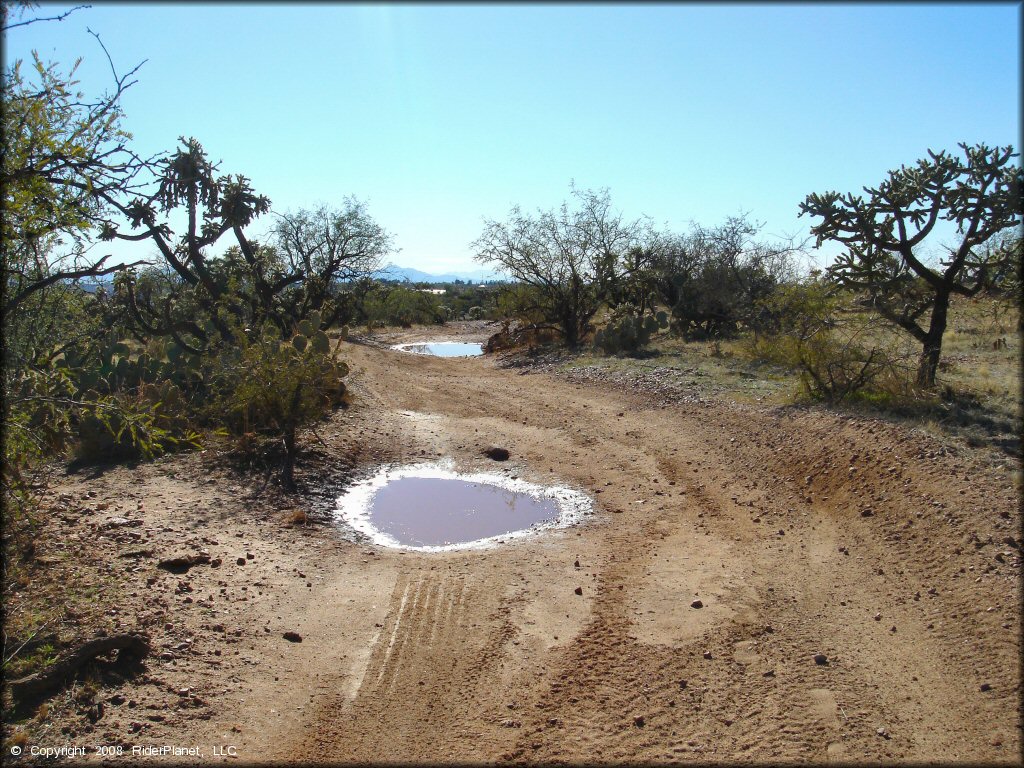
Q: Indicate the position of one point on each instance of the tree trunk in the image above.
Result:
(290, 427)
(288, 470)
(933, 341)
(570, 329)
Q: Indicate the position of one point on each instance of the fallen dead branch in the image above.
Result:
(53, 676)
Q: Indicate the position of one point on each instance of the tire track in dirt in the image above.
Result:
(756, 511)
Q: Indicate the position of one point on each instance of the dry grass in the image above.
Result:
(296, 517)
(977, 401)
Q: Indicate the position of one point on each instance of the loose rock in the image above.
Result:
(182, 563)
(496, 453)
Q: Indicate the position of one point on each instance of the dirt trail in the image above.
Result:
(801, 532)
(492, 655)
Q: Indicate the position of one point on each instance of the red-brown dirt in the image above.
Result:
(802, 532)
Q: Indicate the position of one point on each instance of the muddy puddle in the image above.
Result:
(431, 508)
(442, 348)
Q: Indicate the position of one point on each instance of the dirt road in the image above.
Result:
(802, 533)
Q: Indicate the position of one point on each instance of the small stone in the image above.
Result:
(577, 563)
(696, 604)
(820, 659)
(578, 590)
(250, 556)
(639, 721)
(866, 513)
(496, 453)
(986, 687)
(240, 561)
(878, 617)
(707, 655)
(293, 637)
(682, 685)
(883, 733)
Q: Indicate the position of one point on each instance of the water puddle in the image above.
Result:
(430, 508)
(442, 348)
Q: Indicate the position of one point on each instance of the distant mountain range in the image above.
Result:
(394, 272)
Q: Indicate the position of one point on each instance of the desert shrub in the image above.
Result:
(143, 424)
(629, 332)
(839, 352)
(388, 304)
(274, 386)
(713, 279)
(830, 368)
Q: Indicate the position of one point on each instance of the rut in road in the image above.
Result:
(491, 655)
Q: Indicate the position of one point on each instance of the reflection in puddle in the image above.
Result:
(442, 348)
(430, 508)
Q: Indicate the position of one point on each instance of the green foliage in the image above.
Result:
(830, 368)
(629, 333)
(568, 258)
(521, 302)
(274, 386)
(467, 301)
(838, 353)
(58, 152)
(797, 309)
(334, 250)
(389, 304)
(713, 278)
(141, 426)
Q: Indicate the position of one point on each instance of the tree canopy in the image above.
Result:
(570, 256)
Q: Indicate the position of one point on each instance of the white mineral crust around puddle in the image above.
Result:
(355, 506)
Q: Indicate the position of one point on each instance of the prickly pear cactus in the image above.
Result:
(629, 333)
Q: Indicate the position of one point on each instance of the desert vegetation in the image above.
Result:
(216, 337)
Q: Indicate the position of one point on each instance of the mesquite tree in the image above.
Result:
(884, 231)
(334, 250)
(569, 257)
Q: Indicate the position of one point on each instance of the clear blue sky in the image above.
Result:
(439, 115)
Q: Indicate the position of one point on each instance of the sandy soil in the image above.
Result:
(801, 532)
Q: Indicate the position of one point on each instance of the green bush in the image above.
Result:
(273, 386)
(629, 333)
(838, 351)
